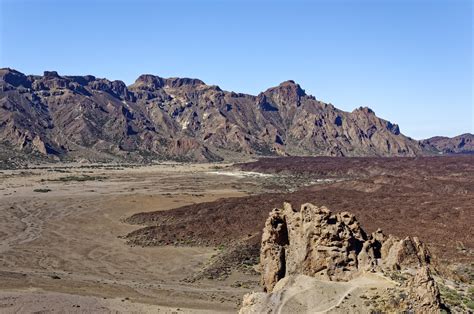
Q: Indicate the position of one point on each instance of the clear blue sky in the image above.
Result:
(410, 61)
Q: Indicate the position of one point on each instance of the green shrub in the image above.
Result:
(469, 304)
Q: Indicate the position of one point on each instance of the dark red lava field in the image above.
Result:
(428, 197)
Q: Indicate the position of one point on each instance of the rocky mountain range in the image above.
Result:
(460, 144)
(84, 117)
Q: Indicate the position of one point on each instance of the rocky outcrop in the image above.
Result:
(424, 291)
(160, 118)
(315, 242)
(329, 246)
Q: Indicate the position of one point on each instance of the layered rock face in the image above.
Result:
(333, 247)
(181, 118)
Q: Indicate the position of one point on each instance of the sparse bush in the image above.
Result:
(79, 178)
(42, 190)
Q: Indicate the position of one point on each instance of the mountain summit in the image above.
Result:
(181, 118)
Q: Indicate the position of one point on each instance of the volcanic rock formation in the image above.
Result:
(333, 247)
(181, 118)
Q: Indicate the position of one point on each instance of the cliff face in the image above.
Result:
(181, 118)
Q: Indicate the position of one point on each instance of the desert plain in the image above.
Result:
(62, 249)
(181, 237)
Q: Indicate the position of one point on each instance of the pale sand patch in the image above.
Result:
(304, 294)
(241, 174)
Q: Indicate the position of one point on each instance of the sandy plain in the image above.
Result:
(61, 250)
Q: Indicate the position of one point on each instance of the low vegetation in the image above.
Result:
(76, 178)
(42, 190)
(458, 300)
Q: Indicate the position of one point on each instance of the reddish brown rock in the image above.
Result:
(85, 116)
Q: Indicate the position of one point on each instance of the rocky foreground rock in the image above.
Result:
(315, 243)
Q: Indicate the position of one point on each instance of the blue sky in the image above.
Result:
(410, 61)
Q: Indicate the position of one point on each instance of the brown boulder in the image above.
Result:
(396, 253)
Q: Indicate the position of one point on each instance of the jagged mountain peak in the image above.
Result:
(13, 77)
(286, 94)
(148, 80)
(155, 82)
(5, 71)
(50, 74)
(288, 88)
(175, 82)
(365, 110)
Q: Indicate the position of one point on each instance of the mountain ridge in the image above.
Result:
(460, 144)
(84, 117)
